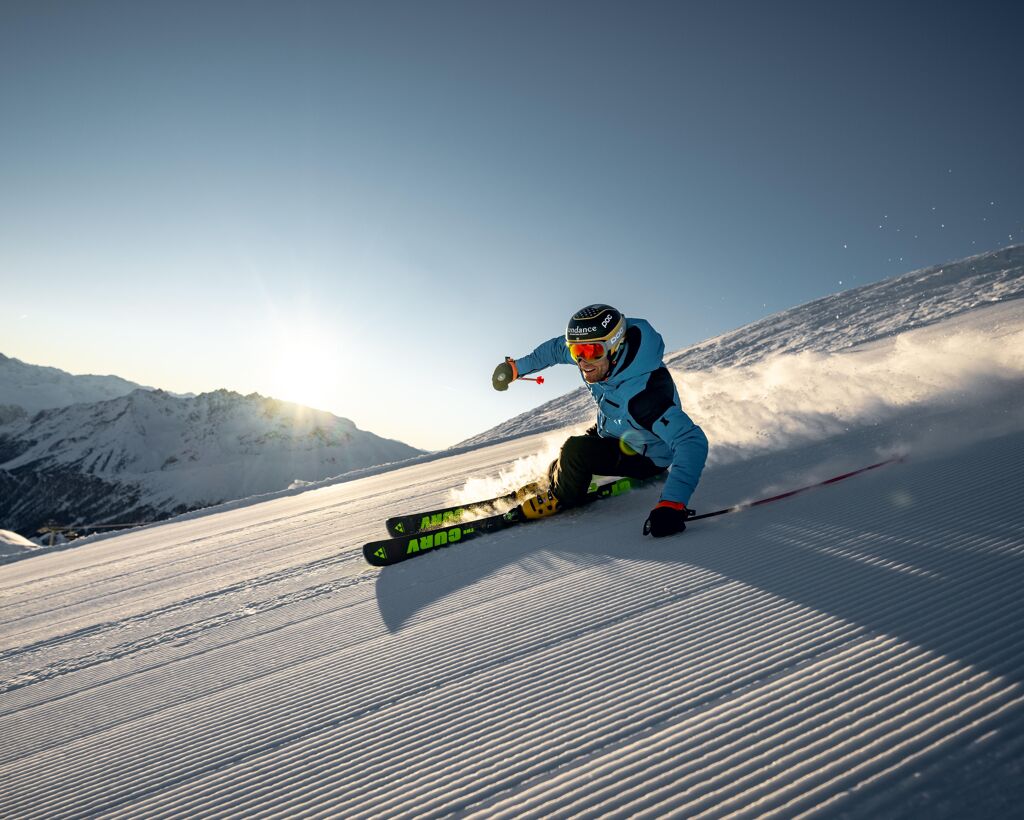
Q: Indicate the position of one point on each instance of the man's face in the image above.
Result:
(595, 371)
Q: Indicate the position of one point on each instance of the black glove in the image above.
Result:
(666, 520)
(591, 431)
(503, 374)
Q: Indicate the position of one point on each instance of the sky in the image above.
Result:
(364, 207)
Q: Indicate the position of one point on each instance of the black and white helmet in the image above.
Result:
(599, 325)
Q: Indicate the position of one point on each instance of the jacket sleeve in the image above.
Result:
(553, 351)
(656, 408)
(689, 452)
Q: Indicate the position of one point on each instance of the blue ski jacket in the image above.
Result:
(639, 405)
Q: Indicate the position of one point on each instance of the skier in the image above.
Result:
(641, 428)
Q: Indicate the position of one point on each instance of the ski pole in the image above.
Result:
(538, 379)
(746, 505)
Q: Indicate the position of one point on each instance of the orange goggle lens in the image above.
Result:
(587, 350)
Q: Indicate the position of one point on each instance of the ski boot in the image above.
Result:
(527, 490)
(541, 506)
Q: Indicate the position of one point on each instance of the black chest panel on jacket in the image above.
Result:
(650, 404)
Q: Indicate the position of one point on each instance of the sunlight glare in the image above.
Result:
(304, 369)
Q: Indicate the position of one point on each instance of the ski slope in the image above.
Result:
(854, 651)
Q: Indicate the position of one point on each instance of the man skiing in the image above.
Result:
(641, 428)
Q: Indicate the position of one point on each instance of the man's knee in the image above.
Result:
(576, 465)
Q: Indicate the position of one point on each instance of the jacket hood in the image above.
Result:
(644, 352)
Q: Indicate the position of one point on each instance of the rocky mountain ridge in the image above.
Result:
(149, 454)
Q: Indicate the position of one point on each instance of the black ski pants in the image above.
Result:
(583, 457)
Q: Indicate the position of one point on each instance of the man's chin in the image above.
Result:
(592, 377)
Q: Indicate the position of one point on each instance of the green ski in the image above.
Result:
(403, 547)
(413, 523)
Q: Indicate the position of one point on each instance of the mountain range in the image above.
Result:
(87, 450)
(29, 388)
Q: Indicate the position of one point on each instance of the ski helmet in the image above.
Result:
(599, 325)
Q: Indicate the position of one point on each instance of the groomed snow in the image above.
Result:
(13, 544)
(852, 651)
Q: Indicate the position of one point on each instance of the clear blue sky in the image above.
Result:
(365, 206)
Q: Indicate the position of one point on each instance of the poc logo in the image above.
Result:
(607, 319)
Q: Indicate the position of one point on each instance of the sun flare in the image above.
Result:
(304, 369)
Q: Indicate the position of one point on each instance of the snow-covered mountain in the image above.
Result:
(837, 322)
(854, 651)
(149, 454)
(28, 388)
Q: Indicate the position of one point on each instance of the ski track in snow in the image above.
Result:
(825, 654)
(853, 651)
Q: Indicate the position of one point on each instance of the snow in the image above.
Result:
(35, 388)
(151, 453)
(853, 651)
(203, 443)
(790, 398)
(12, 544)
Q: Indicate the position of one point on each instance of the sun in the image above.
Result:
(304, 369)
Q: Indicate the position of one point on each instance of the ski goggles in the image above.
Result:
(591, 351)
